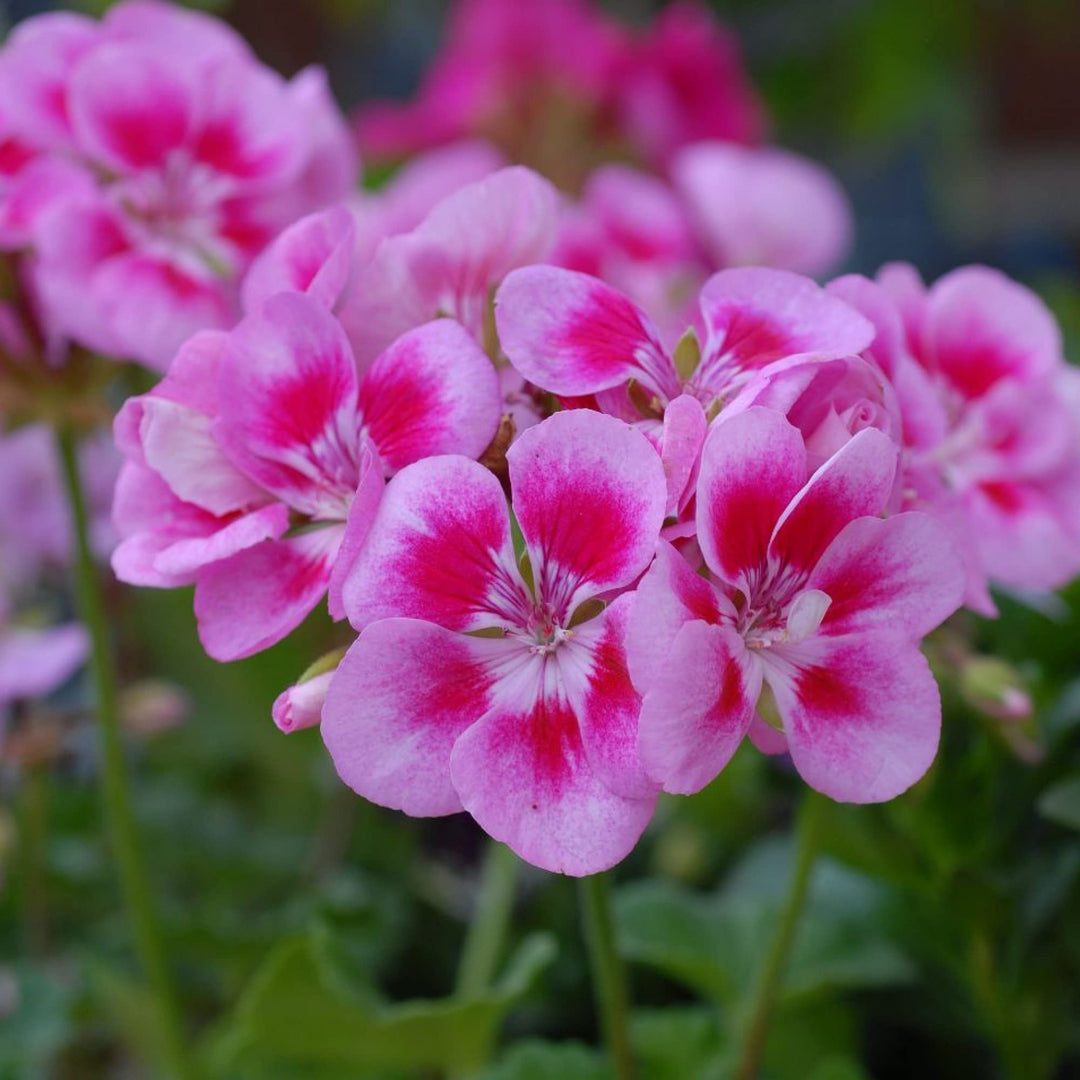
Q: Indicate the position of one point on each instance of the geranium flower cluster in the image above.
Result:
(585, 558)
(145, 160)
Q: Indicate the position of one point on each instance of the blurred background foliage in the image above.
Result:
(316, 936)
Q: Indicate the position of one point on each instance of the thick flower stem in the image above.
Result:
(117, 798)
(771, 973)
(490, 922)
(608, 973)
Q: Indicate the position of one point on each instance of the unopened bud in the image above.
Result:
(995, 688)
(300, 706)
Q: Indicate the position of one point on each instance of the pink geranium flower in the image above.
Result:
(992, 441)
(813, 595)
(167, 157)
(496, 685)
(255, 467)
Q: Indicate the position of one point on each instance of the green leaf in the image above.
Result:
(549, 1061)
(714, 943)
(36, 1021)
(299, 1012)
(677, 1042)
(130, 1010)
(1061, 802)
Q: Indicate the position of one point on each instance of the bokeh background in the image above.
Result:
(943, 934)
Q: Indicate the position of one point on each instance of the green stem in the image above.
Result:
(771, 973)
(117, 797)
(490, 922)
(608, 972)
(32, 840)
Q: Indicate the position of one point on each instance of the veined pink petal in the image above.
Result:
(604, 699)
(179, 445)
(699, 707)
(186, 555)
(131, 107)
(434, 391)
(524, 776)
(862, 713)
(755, 316)
(982, 327)
(680, 449)
(398, 701)
(668, 596)
(589, 495)
(855, 482)
(288, 405)
(312, 256)
(572, 334)
(250, 601)
(900, 574)
(439, 549)
(752, 466)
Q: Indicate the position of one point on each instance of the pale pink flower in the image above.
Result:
(167, 157)
(476, 685)
(255, 467)
(812, 595)
(991, 435)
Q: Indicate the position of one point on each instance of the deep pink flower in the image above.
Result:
(682, 81)
(814, 596)
(255, 467)
(992, 440)
(476, 685)
(167, 158)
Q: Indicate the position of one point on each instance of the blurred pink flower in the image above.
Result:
(165, 158)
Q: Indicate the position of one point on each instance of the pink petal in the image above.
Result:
(861, 713)
(609, 707)
(524, 776)
(766, 739)
(589, 495)
(680, 449)
(752, 466)
(901, 574)
(755, 316)
(362, 511)
(668, 596)
(571, 334)
(399, 700)
(313, 256)
(764, 207)
(248, 602)
(439, 550)
(185, 556)
(699, 707)
(288, 404)
(855, 482)
(179, 29)
(982, 327)
(131, 107)
(434, 391)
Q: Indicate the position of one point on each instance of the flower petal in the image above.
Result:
(699, 707)
(312, 256)
(589, 494)
(752, 466)
(434, 391)
(900, 574)
(248, 602)
(523, 774)
(667, 597)
(439, 549)
(35, 662)
(680, 449)
(398, 701)
(862, 714)
(855, 482)
(288, 404)
(572, 334)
